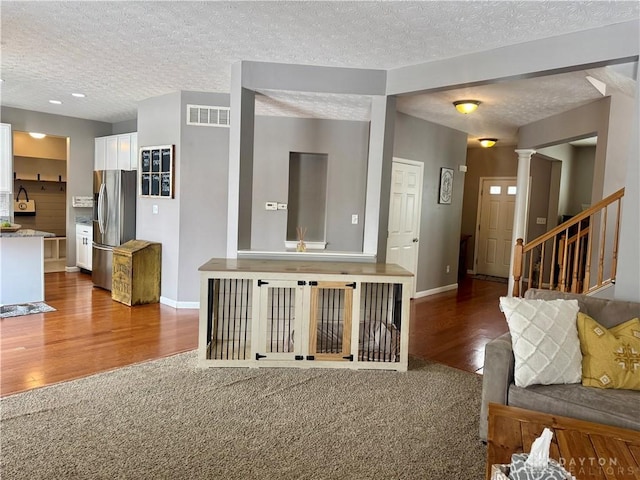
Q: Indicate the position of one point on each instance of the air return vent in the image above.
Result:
(206, 115)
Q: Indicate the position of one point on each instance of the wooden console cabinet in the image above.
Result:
(136, 272)
(304, 314)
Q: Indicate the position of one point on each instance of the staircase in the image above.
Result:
(574, 256)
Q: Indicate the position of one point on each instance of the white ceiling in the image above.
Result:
(119, 53)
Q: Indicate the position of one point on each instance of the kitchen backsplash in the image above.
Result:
(5, 206)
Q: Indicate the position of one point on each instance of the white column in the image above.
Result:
(521, 213)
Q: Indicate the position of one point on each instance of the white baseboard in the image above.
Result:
(433, 291)
(71, 269)
(179, 305)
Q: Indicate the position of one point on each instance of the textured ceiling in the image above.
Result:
(119, 53)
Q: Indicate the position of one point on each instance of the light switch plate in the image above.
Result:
(271, 206)
(354, 219)
(154, 209)
(541, 221)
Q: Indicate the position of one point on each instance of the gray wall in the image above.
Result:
(81, 134)
(436, 146)
(191, 226)
(591, 119)
(126, 126)
(563, 153)
(159, 124)
(628, 276)
(581, 182)
(538, 196)
(204, 182)
(345, 143)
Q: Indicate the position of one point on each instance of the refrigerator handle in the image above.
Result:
(101, 207)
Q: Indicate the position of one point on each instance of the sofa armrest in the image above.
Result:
(496, 378)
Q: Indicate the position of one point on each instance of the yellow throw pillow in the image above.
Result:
(610, 357)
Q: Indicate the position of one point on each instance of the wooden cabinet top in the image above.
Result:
(232, 265)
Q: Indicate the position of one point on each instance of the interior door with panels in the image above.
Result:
(405, 204)
(497, 204)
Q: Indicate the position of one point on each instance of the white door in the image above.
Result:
(495, 226)
(404, 215)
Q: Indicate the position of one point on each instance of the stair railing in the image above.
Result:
(573, 260)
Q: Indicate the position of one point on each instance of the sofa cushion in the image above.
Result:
(619, 408)
(610, 357)
(545, 340)
(607, 313)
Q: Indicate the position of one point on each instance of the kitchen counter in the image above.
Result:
(26, 232)
(22, 266)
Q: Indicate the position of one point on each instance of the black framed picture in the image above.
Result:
(446, 186)
(156, 171)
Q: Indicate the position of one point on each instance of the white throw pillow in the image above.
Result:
(544, 336)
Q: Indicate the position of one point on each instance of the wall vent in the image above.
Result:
(206, 115)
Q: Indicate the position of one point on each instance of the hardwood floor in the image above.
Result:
(90, 333)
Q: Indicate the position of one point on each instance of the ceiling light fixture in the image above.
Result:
(466, 106)
(55, 102)
(487, 142)
(37, 135)
(78, 95)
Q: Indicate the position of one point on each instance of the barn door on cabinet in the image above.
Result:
(331, 313)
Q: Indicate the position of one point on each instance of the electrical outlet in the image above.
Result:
(448, 269)
(154, 209)
(354, 219)
(282, 206)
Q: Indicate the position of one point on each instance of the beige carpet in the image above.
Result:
(168, 419)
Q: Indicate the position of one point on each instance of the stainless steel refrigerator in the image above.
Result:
(114, 219)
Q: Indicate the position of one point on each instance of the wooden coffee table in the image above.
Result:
(587, 450)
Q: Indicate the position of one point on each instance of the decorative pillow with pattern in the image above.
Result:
(545, 340)
(611, 357)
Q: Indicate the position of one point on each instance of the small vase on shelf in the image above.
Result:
(301, 246)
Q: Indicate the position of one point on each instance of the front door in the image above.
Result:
(404, 215)
(495, 226)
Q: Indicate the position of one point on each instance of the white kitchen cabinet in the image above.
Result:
(6, 159)
(124, 152)
(134, 151)
(100, 153)
(84, 240)
(117, 152)
(111, 162)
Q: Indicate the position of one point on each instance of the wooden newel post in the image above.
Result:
(517, 266)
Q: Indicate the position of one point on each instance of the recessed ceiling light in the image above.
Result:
(55, 102)
(37, 135)
(79, 95)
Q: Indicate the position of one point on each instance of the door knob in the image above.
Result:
(415, 240)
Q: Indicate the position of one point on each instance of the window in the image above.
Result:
(511, 190)
(495, 190)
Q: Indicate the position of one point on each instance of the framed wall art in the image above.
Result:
(156, 171)
(446, 186)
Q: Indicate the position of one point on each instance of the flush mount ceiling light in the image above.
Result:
(55, 102)
(78, 95)
(487, 142)
(466, 106)
(37, 135)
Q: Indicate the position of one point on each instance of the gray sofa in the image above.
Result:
(619, 408)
